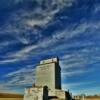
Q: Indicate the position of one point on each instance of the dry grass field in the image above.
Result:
(89, 98)
(93, 98)
(7, 96)
(11, 98)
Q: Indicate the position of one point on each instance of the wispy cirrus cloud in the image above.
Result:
(24, 20)
(22, 77)
(4, 88)
(8, 61)
(76, 84)
(74, 73)
(33, 29)
(24, 27)
(65, 35)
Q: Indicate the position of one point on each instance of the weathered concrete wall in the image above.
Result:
(48, 73)
(36, 93)
(60, 94)
(45, 75)
(33, 94)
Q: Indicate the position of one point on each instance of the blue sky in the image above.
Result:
(32, 30)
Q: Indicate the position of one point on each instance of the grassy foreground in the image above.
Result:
(7, 96)
(11, 98)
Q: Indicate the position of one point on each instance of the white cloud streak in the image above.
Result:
(74, 73)
(21, 77)
(76, 84)
(43, 44)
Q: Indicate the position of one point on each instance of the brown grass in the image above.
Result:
(11, 98)
(93, 97)
(8, 95)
